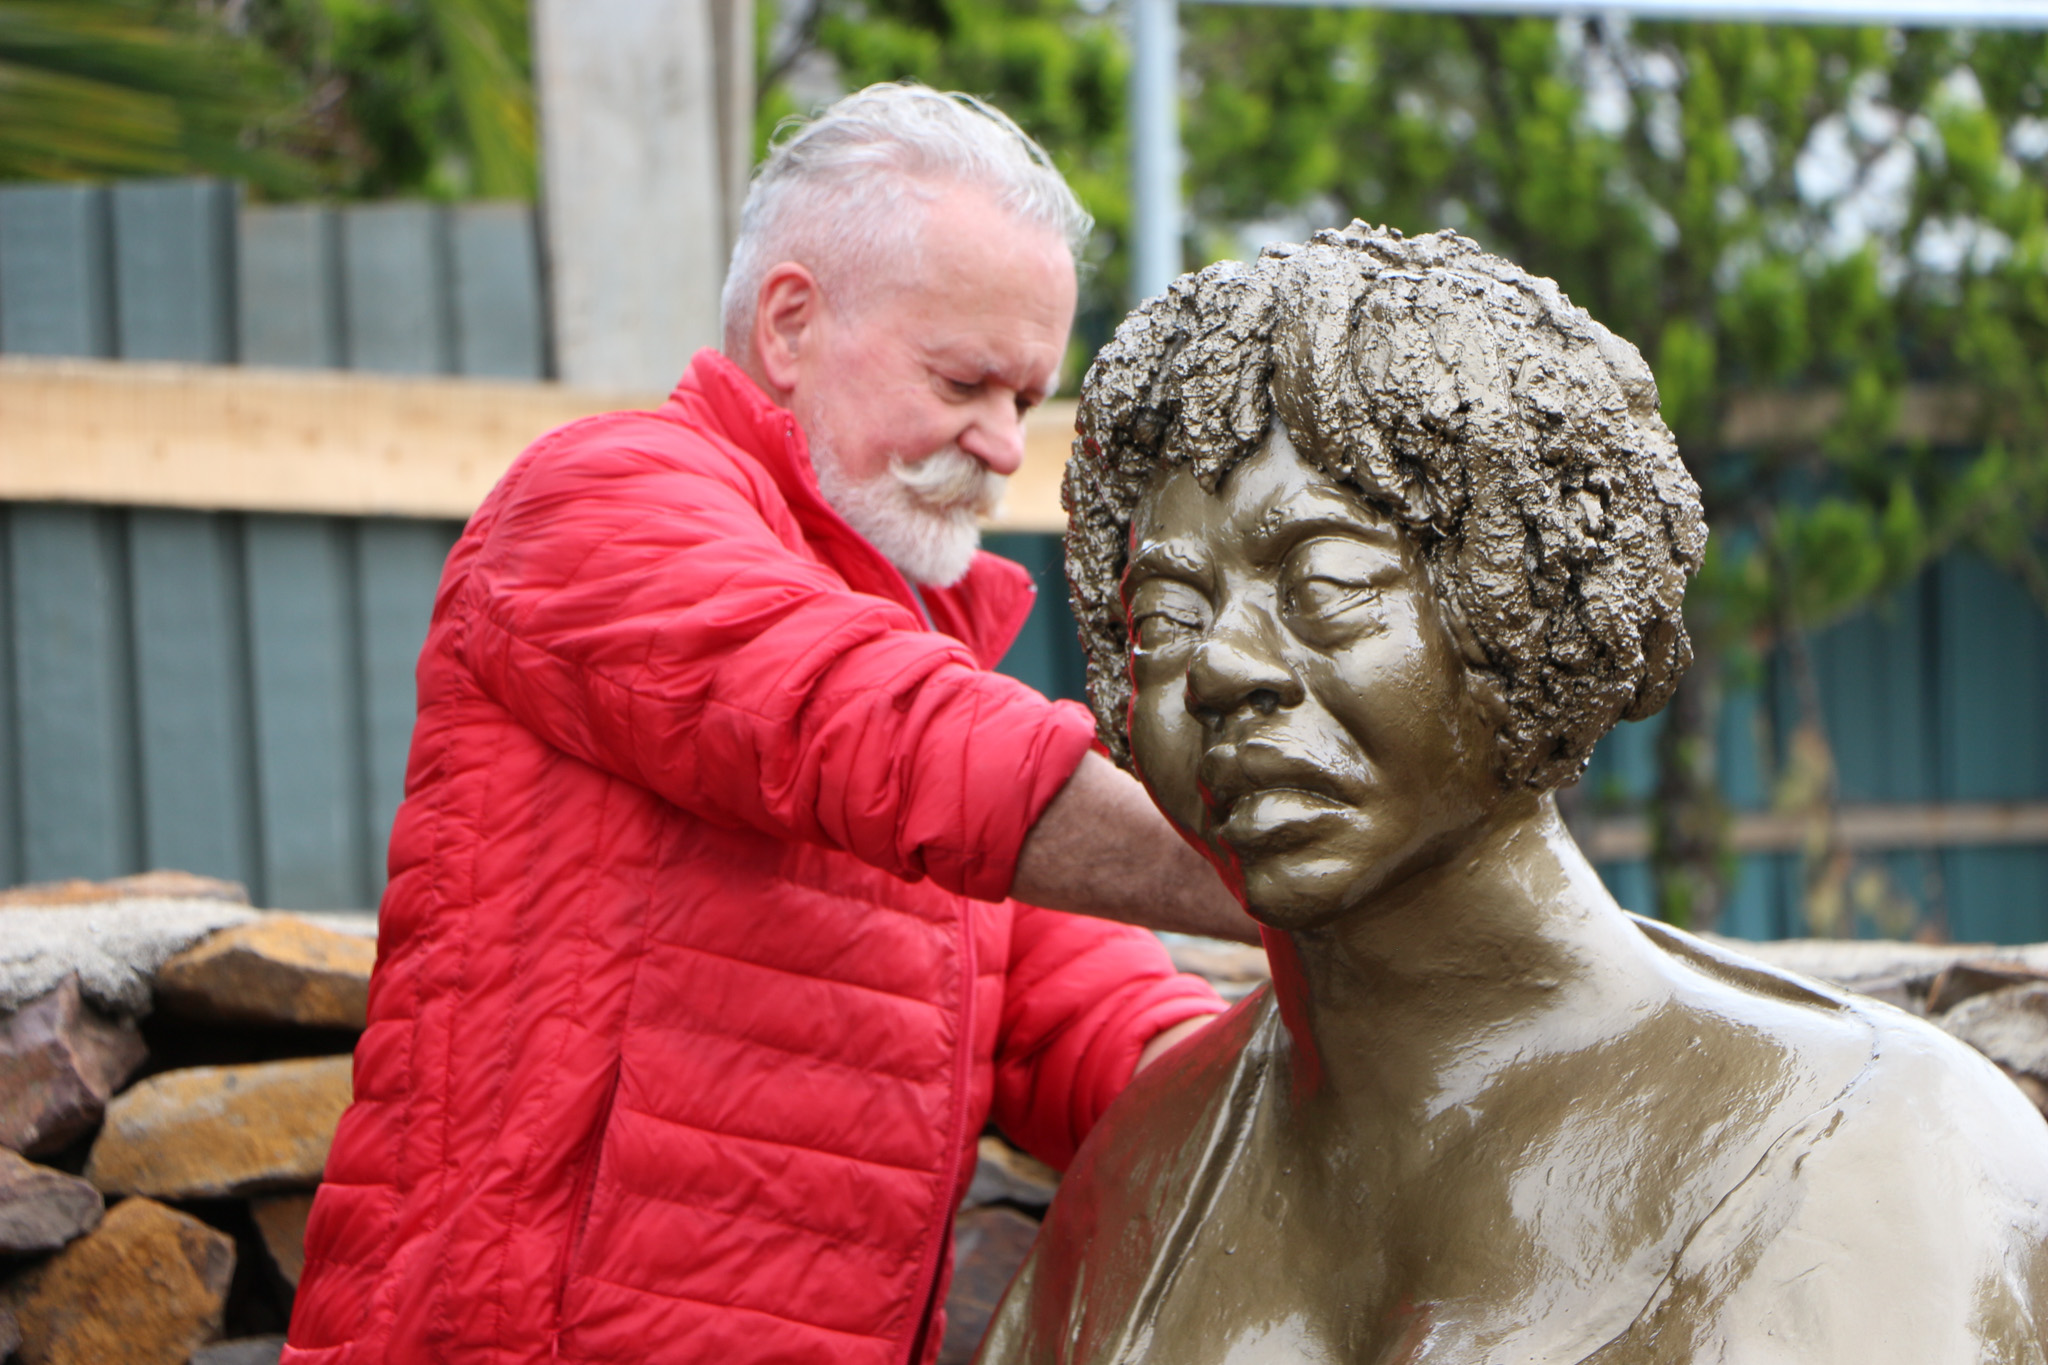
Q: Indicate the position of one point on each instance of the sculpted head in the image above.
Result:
(1366, 537)
(904, 283)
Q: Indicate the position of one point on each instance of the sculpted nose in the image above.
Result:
(1232, 671)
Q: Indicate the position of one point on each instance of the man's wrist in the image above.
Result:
(1164, 1041)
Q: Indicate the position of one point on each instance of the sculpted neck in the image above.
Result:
(1407, 1007)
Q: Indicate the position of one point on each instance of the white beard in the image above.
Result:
(922, 516)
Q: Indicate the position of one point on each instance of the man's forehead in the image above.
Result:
(1016, 360)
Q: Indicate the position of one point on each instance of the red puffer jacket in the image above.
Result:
(695, 984)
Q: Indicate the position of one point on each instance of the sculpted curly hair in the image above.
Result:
(1513, 437)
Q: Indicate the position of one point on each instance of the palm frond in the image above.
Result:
(484, 44)
(120, 87)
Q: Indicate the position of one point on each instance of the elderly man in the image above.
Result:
(698, 975)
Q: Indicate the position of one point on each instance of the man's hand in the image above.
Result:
(1102, 848)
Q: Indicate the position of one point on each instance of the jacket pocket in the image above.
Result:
(588, 1167)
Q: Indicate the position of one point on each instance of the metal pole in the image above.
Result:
(1155, 145)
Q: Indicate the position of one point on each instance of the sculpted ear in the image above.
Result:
(1483, 685)
(784, 315)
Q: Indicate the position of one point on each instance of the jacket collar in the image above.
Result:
(984, 610)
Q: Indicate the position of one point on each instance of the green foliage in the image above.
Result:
(128, 87)
(345, 97)
(407, 96)
(1830, 243)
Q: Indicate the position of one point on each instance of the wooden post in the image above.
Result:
(645, 107)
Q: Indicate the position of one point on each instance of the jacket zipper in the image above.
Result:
(962, 1056)
(963, 1048)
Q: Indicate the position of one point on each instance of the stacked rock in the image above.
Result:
(173, 1064)
(172, 1067)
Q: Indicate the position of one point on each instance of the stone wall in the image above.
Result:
(173, 1063)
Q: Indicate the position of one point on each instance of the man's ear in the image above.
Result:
(786, 312)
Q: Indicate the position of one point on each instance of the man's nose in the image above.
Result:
(1237, 667)
(996, 438)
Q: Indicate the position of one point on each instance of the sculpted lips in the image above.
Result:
(1261, 794)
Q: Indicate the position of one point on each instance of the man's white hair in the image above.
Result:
(833, 191)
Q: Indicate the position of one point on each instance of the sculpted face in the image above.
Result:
(1298, 706)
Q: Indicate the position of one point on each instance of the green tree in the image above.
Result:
(347, 97)
(1850, 215)
(1843, 226)
(407, 96)
(127, 87)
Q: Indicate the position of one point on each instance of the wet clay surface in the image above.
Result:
(1882, 1210)
(1350, 633)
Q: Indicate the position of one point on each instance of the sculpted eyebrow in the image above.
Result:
(1290, 523)
(1169, 559)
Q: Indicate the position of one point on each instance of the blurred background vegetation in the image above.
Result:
(1851, 224)
(345, 98)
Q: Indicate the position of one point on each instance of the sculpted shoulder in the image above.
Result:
(1136, 1194)
(1906, 1220)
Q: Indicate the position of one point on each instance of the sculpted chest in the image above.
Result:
(1207, 1227)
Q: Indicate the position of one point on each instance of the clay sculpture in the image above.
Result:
(1370, 541)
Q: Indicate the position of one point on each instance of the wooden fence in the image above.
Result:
(231, 691)
(1935, 706)
(220, 691)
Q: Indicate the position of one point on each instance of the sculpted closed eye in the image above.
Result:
(1165, 613)
(1332, 576)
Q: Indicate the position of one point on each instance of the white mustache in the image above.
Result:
(952, 479)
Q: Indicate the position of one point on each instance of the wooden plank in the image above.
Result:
(266, 440)
(399, 563)
(73, 707)
(1939, 414)
(304, 668)
(500, 330)
(394, 275)
(174, 273)
(1631, 886)
(56, 285)
(1862, 828)
(192, 704)
(1873, 675)
(1741, 746)
(273, 440)
(290, 286)
(1623, 769)
(1755, 897)
(1758, 905)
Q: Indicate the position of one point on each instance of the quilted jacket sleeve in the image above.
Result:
(1083, 997)
(638, 611)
